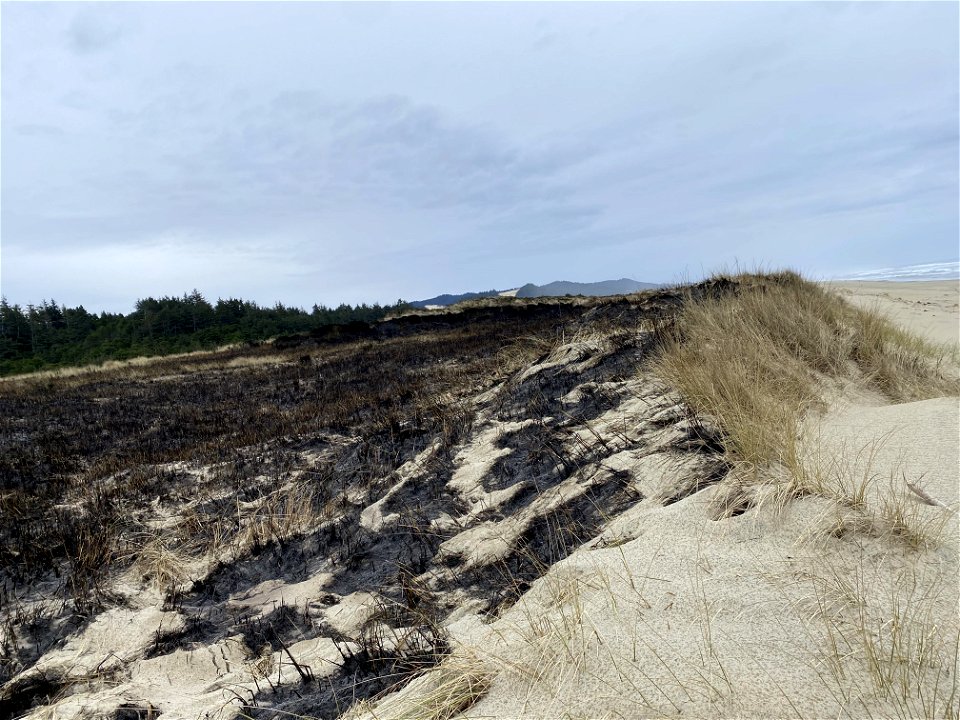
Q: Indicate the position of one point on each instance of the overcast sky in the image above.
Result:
(321, 152)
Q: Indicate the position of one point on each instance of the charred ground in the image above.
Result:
(335, 458)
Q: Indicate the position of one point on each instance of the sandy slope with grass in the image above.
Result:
(740, 503)
(829, 605)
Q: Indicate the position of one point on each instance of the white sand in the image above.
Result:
(733, 618)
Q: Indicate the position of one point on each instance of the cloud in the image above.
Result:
(424, 144)
(39, 129)
(294, 161)
(93, 31)
(389, 150)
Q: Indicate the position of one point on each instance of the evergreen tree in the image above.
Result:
(51, 335)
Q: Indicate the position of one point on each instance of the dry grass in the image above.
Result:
(164, 566)
(885, 504)
(523, 351)
(139, 365)
(442, 693)
(757, 359)
(883, 610)
(281, 514)
(887, 651)
(562, 636)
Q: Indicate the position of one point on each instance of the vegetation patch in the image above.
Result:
(754, 360)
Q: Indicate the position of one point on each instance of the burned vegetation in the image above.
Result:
(298, 523)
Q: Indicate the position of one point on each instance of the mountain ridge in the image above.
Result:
(557, 288)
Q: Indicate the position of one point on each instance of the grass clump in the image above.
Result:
(161, 563)
(442, 693)
(757, 358)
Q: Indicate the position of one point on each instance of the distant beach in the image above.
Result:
(926, 271)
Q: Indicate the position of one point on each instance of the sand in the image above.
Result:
(929, 308)
(696, 617)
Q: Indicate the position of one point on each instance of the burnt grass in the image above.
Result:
(83, 457)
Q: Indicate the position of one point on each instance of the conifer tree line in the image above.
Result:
(49, 335)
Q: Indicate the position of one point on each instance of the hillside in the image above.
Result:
(685, 502)
(561, 288)
(448, 299)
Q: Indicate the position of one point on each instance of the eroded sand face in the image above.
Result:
(930, 308)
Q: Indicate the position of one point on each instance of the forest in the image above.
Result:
(50, 335)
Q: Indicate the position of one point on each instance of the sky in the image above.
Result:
(364, 152)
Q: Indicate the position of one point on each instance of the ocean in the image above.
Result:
(926, 271)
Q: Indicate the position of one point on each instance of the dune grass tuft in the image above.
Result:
(440, 694)
(162, 564)
(755, 360)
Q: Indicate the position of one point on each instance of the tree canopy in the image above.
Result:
(52, 335)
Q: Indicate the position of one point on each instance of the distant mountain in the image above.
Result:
(624, 286)
(447, 299)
